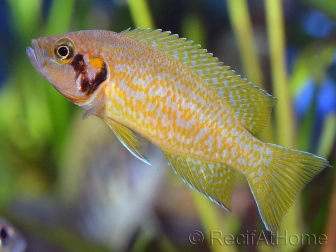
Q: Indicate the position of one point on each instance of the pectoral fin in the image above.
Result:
(213, 180)
(128, 138)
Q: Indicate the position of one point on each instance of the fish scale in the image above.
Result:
(187, 103)
(189, 93)
(186, 94)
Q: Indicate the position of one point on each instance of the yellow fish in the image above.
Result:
(187, 103)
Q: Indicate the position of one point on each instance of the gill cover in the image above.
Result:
(73, 69)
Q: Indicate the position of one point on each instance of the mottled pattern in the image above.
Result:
(276, 183)
(186, 102)
(251, 104)
(166, 103)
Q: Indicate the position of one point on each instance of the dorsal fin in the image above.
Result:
(251, 104)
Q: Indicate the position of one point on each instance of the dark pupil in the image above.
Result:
(63, 51)
(4, 236)
(3, 233)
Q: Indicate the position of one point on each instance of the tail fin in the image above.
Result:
(283, 175)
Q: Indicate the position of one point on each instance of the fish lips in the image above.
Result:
(34, 55)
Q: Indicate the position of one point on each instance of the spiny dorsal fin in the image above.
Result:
(251, 104)
(213, 180)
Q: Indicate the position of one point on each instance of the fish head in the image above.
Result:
(70, 63)
(11, 239)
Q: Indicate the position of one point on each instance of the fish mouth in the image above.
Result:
(34, 54)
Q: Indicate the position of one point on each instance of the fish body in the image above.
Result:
(171, 106)
(187, 103)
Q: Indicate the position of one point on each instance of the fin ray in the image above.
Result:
(214, 180)
(277, 181)
(128, 139)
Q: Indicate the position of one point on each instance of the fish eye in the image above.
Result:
(5, 236)
(64, 50)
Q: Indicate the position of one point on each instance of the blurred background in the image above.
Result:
(67, 184)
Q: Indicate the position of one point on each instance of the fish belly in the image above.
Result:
(181, 116)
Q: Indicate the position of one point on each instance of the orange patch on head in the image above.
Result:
(97, 62)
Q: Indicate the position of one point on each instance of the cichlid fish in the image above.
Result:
(183, 100)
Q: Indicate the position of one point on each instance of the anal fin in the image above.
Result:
(213, 180)
(128, 138)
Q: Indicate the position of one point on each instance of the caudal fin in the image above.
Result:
(276, 184)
